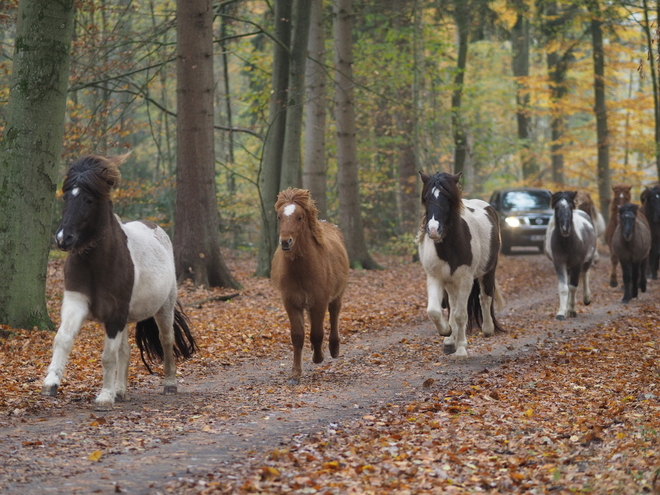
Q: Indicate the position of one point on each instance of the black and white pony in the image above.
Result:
(459, 243)
(631, 243)
(116, 273)
(651, 210)
(570, 243)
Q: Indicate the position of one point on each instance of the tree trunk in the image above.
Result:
(291, 175)
(654, 83)
(315, 110)
(271, 166)
(520, 46)
(461, 12)
(29, 154)
(196, 233)
(557, 78)
(350, 218)
(600, 108)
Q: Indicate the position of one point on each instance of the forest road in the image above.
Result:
(247, 411)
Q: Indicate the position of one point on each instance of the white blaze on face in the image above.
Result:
(436, 192)
(433, 226)
(75, 191)
(289, 209)
(60, 235)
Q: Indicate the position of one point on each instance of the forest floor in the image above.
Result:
(547, 407)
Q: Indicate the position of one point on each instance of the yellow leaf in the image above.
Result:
(529, 413)
(95, 456)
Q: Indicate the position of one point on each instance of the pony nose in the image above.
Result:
(64, 241)
(286, 244)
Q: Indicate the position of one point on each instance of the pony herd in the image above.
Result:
(118, 273)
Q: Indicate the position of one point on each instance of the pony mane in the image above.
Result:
(570, 196)
(96, 174)
(448, 186)
(303, 198)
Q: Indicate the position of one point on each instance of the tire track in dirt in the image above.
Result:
(248, 410)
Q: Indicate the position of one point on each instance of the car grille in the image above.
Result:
(538, 221)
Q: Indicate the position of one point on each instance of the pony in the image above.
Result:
(631, 243)
(570, 243)
(115, 273)
(621, 196)
(586, 204)
(310, 270)
(651, 210)
(459, 244)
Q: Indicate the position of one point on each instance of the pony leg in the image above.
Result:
(562, 277)
(486, 287)
(334, 308)
(316, 316)
(586, 289)
(626, 270)
(572, 291)
(614, 260)
(165, 321)
(297, 323)
(642, 275)
(122, 368)
(634, 279)
(458, 318)
(75, 307)
(434, 306)
(110, 359)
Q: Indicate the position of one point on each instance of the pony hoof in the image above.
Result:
(103, 406)
(560, 317)
(317, 358)
(49, 390)
(169, 390)
(294, 381)
(625, 301)
(572, 314)
(334, 350)
(449, 349)
(120, 397)
(613, 283)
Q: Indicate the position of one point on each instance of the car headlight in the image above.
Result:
(512, 221)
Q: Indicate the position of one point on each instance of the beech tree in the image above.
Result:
(196, 235)
(29, 155)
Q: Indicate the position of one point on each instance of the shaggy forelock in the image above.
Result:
(96, 174)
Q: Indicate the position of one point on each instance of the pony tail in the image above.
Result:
(148, 341)
(475, 316)
(184, 342)
(147, 338)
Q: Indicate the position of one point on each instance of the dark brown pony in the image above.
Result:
(651, 209)
(631, 243)
(310, 269)
(620, 196)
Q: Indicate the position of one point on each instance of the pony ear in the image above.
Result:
(425, 178)
(457, 177)
(645, 193)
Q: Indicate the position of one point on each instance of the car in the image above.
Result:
(524, 214)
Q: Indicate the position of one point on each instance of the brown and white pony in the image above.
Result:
(570, 243)
(459, 243)
(631, 243)
(310, 269)
(116, 273)
(620, 196)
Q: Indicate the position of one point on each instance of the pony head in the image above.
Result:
(621, 194)
(627, 218)
(296, 214)
(564, 202)
(441, 199)
(651, 201)
(87, 187)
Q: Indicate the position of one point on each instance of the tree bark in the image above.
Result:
(271, 166)
(350, 218)
(291, 155)
(654, 82)
(600, 108)
(29, 154)
(314, 170)
(196, 233)
(520, 47)
(461, 12)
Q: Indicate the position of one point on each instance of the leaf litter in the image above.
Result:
(576, 412)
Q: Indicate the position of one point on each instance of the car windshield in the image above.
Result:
(526, 200)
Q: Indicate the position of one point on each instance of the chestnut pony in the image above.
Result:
(310, 270)
(620, 196)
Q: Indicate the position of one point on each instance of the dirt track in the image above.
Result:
(247, 410)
